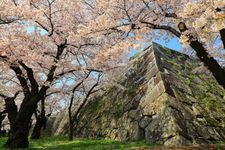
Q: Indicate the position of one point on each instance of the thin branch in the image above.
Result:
(86, 99)
(74, 70)
(162, 27)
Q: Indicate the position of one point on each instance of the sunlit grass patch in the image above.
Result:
(62, 143)
(80, 144)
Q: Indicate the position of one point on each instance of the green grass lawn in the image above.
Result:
(61, 143)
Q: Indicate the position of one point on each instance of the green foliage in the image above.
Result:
(61, 143)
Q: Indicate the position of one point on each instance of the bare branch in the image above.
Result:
(162, 27)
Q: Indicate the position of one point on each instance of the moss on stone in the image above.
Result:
(161, 85)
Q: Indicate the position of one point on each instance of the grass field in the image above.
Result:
(61, 143)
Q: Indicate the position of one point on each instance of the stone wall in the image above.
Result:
(168, 99)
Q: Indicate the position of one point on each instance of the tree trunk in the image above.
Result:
(33, 93)
(39, 125)
(73, 118)
(222, 35)
(41, 122)
(217, 71)
(2, 117)
(11, 109)
(70, 124)
(19, 135)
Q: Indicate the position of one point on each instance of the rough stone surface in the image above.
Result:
(166, 100)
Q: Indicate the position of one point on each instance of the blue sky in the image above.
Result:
(172, 44)
(31, 29)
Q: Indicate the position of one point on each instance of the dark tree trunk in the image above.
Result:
(39, 126)
(2, 117)
(12, 112)
(71, 125)
(41, 121)
(71, 122)
(19, 134)
(10, 108)
(33, 93)
(222, 35)
(217, 71)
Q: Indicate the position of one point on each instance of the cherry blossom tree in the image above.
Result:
(197, 24)
(40, 42)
